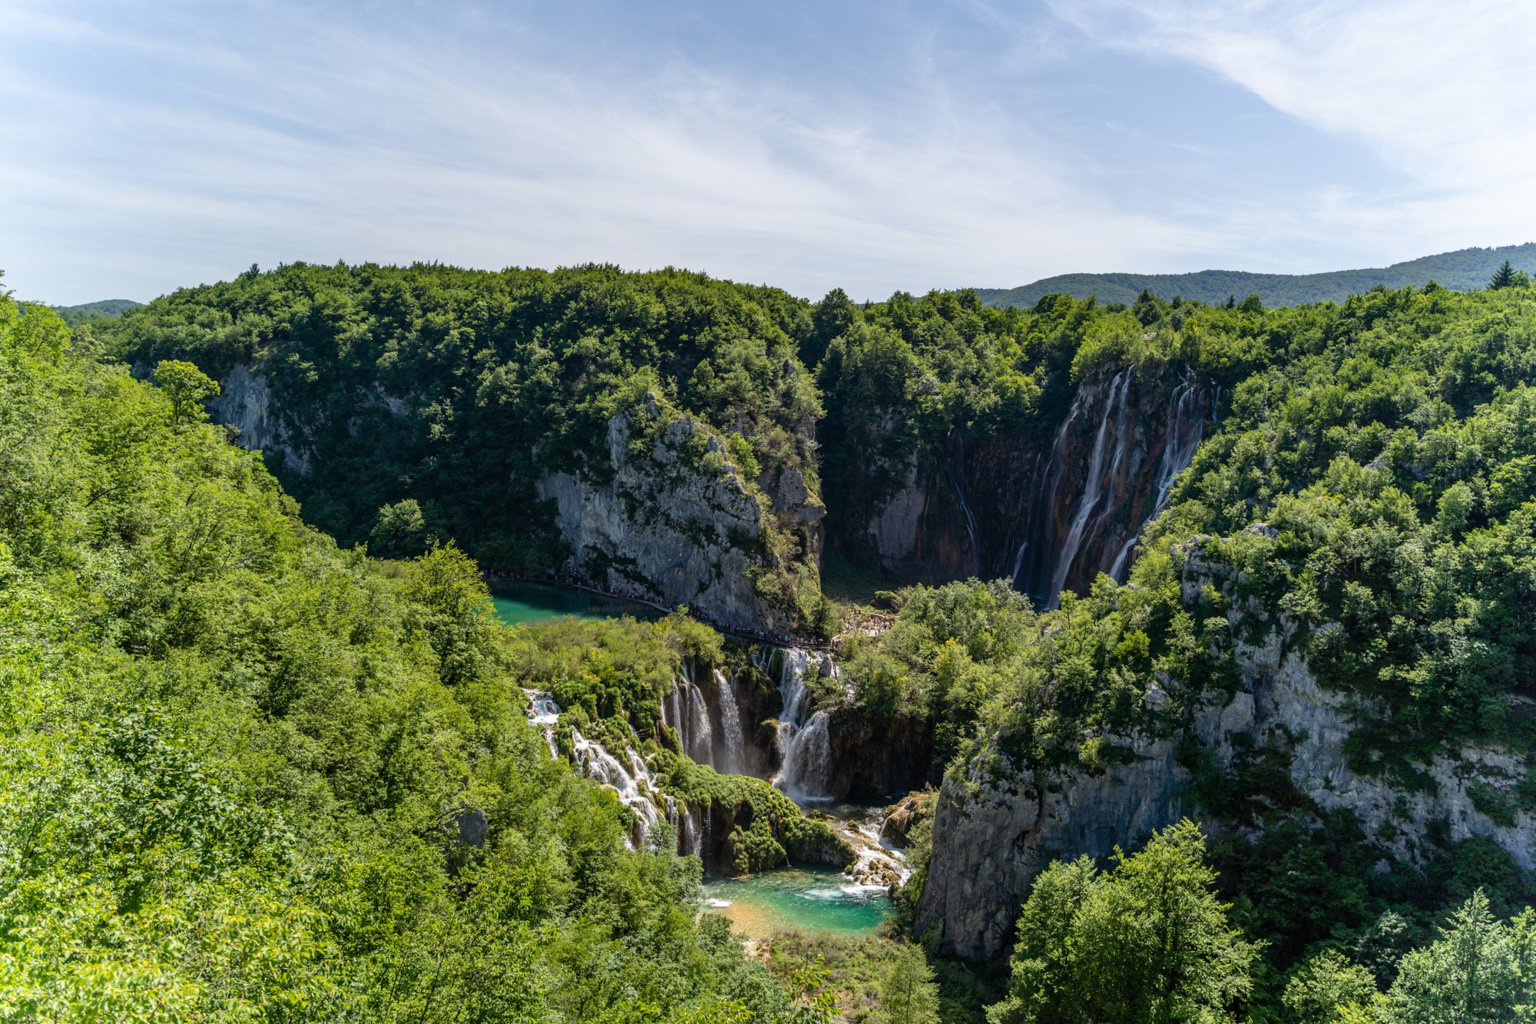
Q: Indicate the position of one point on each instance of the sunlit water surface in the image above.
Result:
(813, 899)
(521, 603)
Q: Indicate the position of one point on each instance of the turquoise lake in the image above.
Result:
(523, 603)
(813, 899)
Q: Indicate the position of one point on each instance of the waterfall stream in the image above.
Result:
(709, 723)
(598, 764)
(633, 785)
(733, 731)
(1092, 485)
(805, 747)
(1065, 546)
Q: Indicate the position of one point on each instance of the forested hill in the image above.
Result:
(246, 776)
(102, 309)
(1459, 271)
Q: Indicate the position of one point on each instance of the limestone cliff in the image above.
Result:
(993, 835)
(659, 510)
(245, 403)
(668, 516)
(1051, 504)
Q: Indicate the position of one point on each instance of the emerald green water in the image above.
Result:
(521, 603)
(814, 900)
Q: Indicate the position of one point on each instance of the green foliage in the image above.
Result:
(1145, 942)
(858, 970)
(1327, 987)
(456, 388)
(1479, 970)
(400, 530)
(236, 762)
(186, 386)
(765, 829)
(909, 995)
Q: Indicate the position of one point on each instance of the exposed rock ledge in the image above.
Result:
(674, 527)
(245, 403)
(988, 844)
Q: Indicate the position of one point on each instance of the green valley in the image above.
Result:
(1177, 665)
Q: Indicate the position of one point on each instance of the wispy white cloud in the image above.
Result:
(148, 146)
(323, 140)
(1438, 89)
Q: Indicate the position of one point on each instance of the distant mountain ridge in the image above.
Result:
(94, 310)
(1461, 270)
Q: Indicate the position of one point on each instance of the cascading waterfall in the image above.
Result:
(625, 783)
(733, 731)
(544, 715)
(711, 733)
(805, 747)
(1092, 490)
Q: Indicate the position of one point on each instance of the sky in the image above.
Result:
(873, 146)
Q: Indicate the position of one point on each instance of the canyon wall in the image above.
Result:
(660, 512)
(668, 525)
(992, 836)
(1051, 506)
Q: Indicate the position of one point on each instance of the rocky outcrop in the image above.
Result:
(904, 816)
(245, 403)
(665, 515)
(992, 836)
(895, 530)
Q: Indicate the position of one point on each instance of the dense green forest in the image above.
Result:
(507, 375)
(1462, 270)
(246, 765)
(249, 775)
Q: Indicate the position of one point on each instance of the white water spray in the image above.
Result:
(805, 747)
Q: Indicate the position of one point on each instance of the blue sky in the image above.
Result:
(872, 146)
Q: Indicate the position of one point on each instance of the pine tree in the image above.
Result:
(1503, 277)
(909, 994)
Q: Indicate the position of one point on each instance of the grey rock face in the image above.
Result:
(895, 530)
(989, 842)
(667, 524)
(245, 403)
(991, 837)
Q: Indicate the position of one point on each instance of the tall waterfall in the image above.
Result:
(805, 747)
(709, 721)
(733, 730)
(701, 735)
(1186, 428)
(1093, 489)
(1087, 513)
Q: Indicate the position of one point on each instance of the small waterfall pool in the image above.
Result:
(816, 900)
